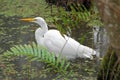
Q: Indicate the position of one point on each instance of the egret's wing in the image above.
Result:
(54, 41)
(67, 46)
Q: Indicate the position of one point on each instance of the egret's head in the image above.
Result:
(38, 20)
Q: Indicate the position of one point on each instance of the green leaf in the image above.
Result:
(62, 64)
(66, 67)
(34, 52)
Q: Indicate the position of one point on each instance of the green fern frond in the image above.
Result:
(71, 19)
(79, 16)
(35, 52)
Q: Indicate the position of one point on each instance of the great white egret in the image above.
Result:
(56, 43)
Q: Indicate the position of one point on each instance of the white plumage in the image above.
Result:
(58, 44)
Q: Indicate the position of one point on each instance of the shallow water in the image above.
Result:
(13, 32)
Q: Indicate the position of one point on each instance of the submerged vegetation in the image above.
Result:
(18, 62)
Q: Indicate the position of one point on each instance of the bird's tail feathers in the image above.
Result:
(85, 52)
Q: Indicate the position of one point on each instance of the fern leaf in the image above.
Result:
(46, 56)
(50, 58)
(57, 61)
(62, 64)
(14, 50)
(18, 48)
(31, 49)
(21, 49)
(35, 52)
(53, 58)
(66, 67)
(27, 50)
(42, 54)
(34, 48)
(8, 53)
(38, 51)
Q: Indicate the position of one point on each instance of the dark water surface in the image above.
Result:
(13, 32)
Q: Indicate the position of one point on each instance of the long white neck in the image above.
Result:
(39, 36)
(44, 27)
(39, 33)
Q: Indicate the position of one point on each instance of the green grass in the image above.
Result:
(25, 8)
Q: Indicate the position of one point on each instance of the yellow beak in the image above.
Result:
(28, 19)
